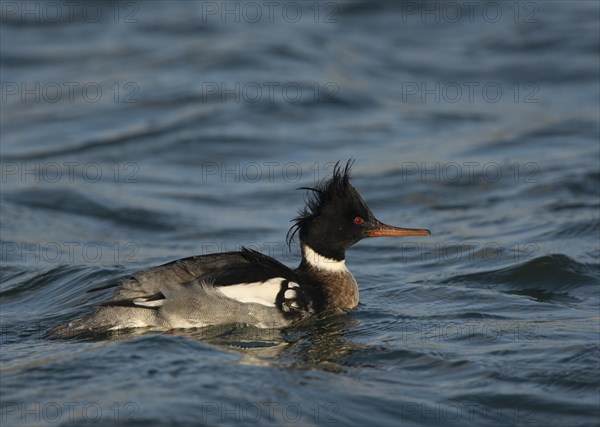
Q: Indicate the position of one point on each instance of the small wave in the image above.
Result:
(22, 283)
(52, 287)
(552, 272)
(551, 278)
(583, 128)
(578, 229)
(73, 202)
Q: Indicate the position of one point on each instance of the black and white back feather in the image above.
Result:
(232, 287)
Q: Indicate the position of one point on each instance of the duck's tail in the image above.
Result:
(103, 321)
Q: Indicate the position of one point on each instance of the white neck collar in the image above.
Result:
(322, 263)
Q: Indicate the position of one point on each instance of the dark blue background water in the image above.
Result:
(137, 133)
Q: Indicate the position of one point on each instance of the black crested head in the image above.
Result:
(335, 216)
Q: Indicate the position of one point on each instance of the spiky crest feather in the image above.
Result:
(317, 198)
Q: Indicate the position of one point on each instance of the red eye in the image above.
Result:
(358, 220)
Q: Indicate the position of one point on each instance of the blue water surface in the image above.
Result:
(136, 133)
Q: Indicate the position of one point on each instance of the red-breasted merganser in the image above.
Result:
(247, 287)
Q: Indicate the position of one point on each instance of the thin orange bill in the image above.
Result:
(387, 230)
